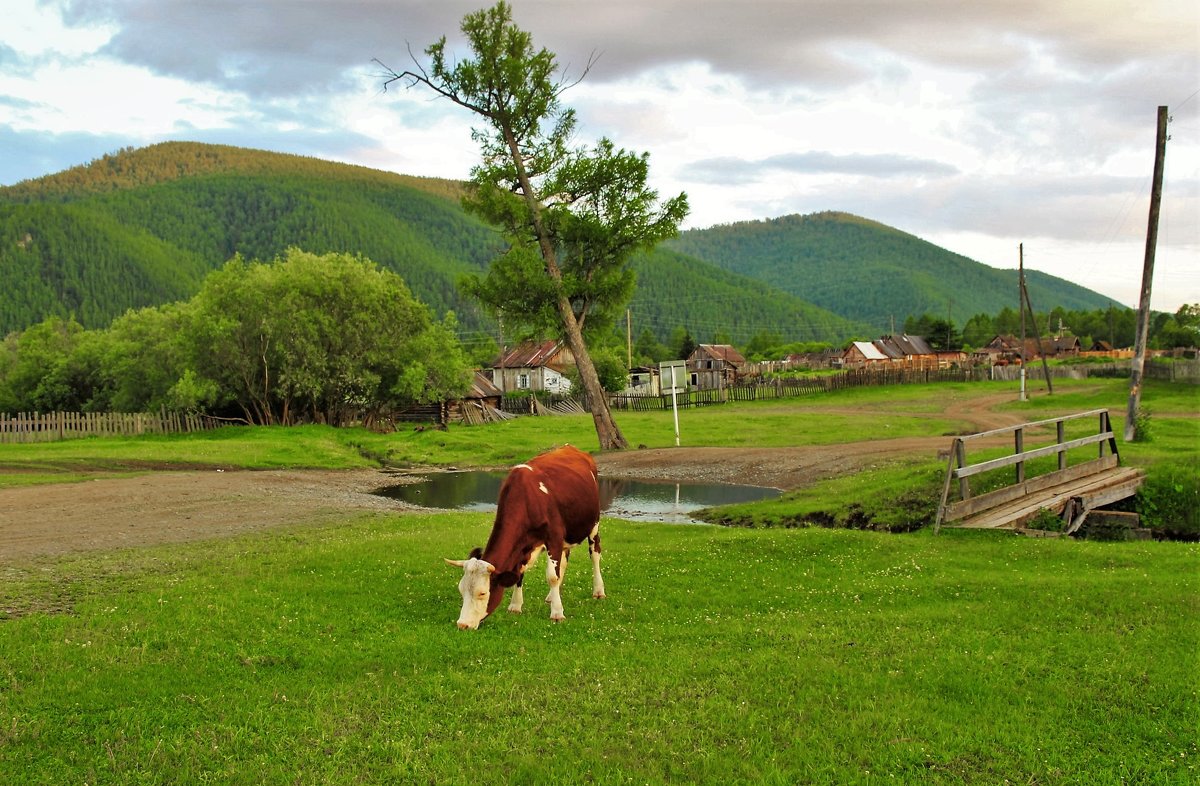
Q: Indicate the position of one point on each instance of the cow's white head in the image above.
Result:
(476, 590)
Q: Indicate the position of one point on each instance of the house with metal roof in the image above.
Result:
(714, 366)
(861, 354)
(534, 366)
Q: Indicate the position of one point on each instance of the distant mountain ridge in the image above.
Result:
(160, 163)
(870, 272)
(144, 226)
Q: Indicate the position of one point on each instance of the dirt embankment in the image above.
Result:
(168, 507)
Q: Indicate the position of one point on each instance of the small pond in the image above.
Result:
(637, 500)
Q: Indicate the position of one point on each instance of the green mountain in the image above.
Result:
(143, 226)
(869, 272)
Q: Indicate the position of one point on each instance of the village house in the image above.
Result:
(1004, 350)
(714, 366)
(642, 381)
(534, 366)
(902, 351)
(826, 358)
(861, 354)
(907, 351)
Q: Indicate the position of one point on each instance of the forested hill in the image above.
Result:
(148, 166)
(869, 272)
(143, 227)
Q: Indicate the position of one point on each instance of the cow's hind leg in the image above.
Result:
(594, 551)
(556, 568)
(517, 603)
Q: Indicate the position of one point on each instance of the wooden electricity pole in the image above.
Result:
(1143, 324)
(1021, 311)
(628, 340)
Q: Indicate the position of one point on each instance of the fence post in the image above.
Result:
(960, 455)
(1019, 448)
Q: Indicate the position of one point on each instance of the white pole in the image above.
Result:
(675, 406)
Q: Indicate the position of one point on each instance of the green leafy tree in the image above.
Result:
(648, 350)
(681, 344)
(572, 216)
(939, 333)
(1008, 322)
(978, 331)
(144, 360)
(1182, 329)
(36, 373)
(763, 345)
(325, 338)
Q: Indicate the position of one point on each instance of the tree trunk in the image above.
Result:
(607, 431)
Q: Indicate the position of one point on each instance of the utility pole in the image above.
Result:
(1143, 324)
(1037, 334)
(1020, 303)
(628, 340)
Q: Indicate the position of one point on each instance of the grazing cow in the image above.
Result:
(551, 503)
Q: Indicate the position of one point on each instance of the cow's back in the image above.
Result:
(570, 478)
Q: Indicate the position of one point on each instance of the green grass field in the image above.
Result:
(721, 656)
(328, 654)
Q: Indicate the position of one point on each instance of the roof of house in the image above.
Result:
(869, 350)
(722, 352)
(529, 354)
(482, 387)
(906, 344)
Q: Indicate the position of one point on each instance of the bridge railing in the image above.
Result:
(957, 468)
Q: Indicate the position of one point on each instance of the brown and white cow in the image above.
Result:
(551, 503)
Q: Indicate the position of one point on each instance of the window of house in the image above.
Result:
(523, 382)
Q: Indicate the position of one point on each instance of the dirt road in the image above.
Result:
(177, 506)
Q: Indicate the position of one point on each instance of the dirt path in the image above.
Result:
(170, 507)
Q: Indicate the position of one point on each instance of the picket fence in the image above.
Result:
(54, 426)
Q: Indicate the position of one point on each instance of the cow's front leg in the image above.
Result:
(556, 568)
(517, 603)
(594, 551)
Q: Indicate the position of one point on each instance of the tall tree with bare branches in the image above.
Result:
(572, 215)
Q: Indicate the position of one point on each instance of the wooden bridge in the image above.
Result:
(1070, 492)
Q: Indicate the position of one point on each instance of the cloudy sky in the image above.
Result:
(976, 125)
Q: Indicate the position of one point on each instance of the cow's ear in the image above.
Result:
(455, 563)
(506, 579)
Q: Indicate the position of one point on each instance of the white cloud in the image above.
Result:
(975, 125)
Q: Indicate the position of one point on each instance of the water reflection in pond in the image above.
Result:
(638, 500)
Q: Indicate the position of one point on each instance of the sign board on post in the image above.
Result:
(672, 376)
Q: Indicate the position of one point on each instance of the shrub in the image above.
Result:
(1169, 501)
(1142, 431)
(1047, 521)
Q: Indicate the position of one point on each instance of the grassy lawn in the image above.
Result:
(329, 654)
(721, 656)
(819, 419)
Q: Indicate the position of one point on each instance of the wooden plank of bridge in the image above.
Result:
(1093, 491)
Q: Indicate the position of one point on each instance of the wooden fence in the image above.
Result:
(791, 388)
(1174, 370)
(54, 426)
